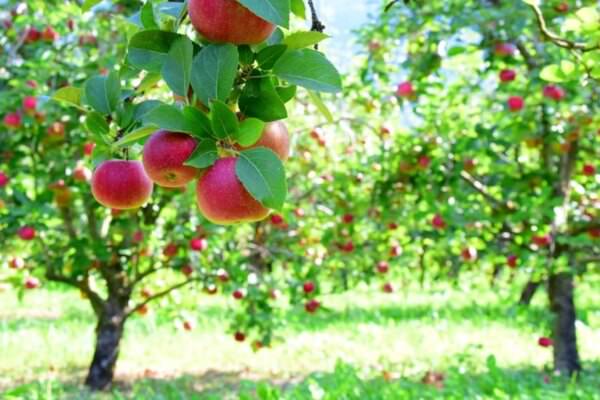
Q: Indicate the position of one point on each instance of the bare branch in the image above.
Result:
(159, 295)
(481, 189)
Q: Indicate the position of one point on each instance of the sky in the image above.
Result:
(340, 18)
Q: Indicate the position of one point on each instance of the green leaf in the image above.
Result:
(147, 16)
(286, 93)
(262, 174)
(148, 49)
(224, 122)
(102, 92)
(149, 80)
(298, 8)
(88, 4)
(565, 71)
(177, 69)
(101, 153)
(170, 8)
(141, 109)
(268, 56)
(205, 154)
(213, 72)
(251, 130)
(260, 99)
(310, 69)
(136, 135)
(198, 122)
(300, 40)
(70, 95)
(321, 106)
(167, 117)
(275, 11)
(96, 124)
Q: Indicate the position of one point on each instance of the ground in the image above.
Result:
(364, 345)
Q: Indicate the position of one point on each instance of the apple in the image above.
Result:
(388, 287)
(504, 49)
(507, 75)
(17, 263)
(164, 156)
(515, 103)
(88, 148)
(392, 226)
(348, 247)
(56, 130)
(469, 165)
(348, 218)
(438, 222)
(545, 342)
(239, 336)
(188, 325)
(312, 306)
(562, 7)
(588, 170)
(238, 294)
(4, 179)
(383, 267)
(32, 35)
(121, 184)
(26, 233)
(31, 282)
(316, 134)
(227, 21)
(199, 244)
(187, 270)
(469, 254)
(12, 120)
(49, 34)
(395, 251)
(405, 89)
(170, 250)
(223, 276)
(138, 236)
(554, 92)
(29, 104)
(81, 173)
(308, 287)
(275, 136)
(276, 219)
(143, 310)
(88, 39)
(594, 233)
(424, 162)
(512, 261)
(541, 241)
(222, 198)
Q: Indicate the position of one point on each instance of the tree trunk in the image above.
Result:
(109, 332)
(528, 292)
(560, 292)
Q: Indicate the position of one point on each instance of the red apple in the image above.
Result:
(29, 104)
(388, 287)
(405, 89)
(392, 226)
(383, 267)
(438, 222)
(31, 282)
(88, 148)
(545, 342)
(56, 130)
(594, 233)
(164, 156)
(554, 92)
(348, 247)
(308, 287)
(312, 306)
(348, 218)
(32, 35)
(223, 275)
(188, 325)
(227, 21)
(469, 254)
(121, 184)
(26, 233)
(49, 34)
(145, 292)
(276, 137)
(12, 120)
(199, 244)
(504, 49)
(298, 212)
(187, 270)
(515, 103)
(424, 162)
(395, 251)
(138, 236)
(17, 263)
(512, 261)
(239, 336)
(4, 179)
(541, 241)
(588, 170)
(238, 294)
(222, 198)
(469, 165)
(276, 219)
(507, 75)
(562, 7)
(81, 173)
(170, 250)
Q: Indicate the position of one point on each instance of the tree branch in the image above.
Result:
(317, 25)
(159, 295)
(481, 189)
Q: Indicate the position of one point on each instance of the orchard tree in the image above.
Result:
(495, 162)
(169, 136)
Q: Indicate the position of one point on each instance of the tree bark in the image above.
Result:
(109, 332)
(528, 292)
(560, 292)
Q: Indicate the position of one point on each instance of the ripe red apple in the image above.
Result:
(12, 120)
(388, 287)
(405, 89)
(469, 254)
(562, 7)
(312, 306)
(348, 218)
(138, 236)
(187, 270)
(395, 251)
(223, 275)
(164, 155)
(88, 148)
(588, 170)
(507, 75)
(383, 267)
(238, 294)
(308, 287)
(515, 103)
(239, 336)
(143, 310)
(594, 233)
(227, 21)
(222, 198)
(49, 34)
(438, 222)
(348, 247)
(392, 226)
(121, 184)
(188, 325)
(276, 137)
(81, 173)
(4, 179)
(56, 130)
(32, 35)
(199, 244)
(512, 260)
(276, 219)
(31, 282)
(541, 241)
(554, 92)
(26, 233)
(17, 263)
(29, 104)
(545, 342)
(424, 162)
(504, 49)
(170, 250)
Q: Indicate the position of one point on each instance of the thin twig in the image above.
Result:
(317, 25)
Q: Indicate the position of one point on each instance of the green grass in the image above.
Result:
(365, 345)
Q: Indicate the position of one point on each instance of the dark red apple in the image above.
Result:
(308, 287)
(388, 287)
(312, 306)
(515, 103)
(239, 336)
(438, 222)
(512, 261)
(554, 92)
(348, 218)
(238, 294)
(276, 219)
(187, 270)
(507, 75)
(170, 250)
(26, 233)
(588, 170)
(17, 263)
(383, 267)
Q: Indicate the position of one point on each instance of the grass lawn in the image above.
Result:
(364, 345)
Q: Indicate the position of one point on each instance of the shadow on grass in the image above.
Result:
(345, 382)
